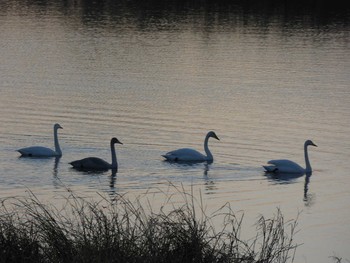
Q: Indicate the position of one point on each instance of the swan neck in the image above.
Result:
(57, 145)
(206, 149)
(114, 157)
(307, 161)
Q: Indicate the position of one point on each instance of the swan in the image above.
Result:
(191, 155)
(94, 163)
(287, 166)
(39, 151)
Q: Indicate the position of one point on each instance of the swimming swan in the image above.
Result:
(190, 155)
(94, 163)
(39, 151)
(287, 166)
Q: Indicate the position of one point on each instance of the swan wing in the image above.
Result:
(91, 163)
(284, 166)
(37, 151)
(184, 155)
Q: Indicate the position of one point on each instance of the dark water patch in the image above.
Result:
(209, 12)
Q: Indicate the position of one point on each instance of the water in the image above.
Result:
(158, 78)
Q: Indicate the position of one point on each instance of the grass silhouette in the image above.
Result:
(120, 230)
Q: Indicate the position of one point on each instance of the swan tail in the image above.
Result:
(170, 157)
(270, 169)
(23, 153)
(76, 164)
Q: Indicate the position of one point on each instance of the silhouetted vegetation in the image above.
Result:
(123, 231)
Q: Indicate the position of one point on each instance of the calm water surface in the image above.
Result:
(159, 79)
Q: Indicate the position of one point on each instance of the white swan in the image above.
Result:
(191, 155)
(39, 151)
(287, 166)
(94, 163)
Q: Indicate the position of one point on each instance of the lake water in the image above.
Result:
(160, 77)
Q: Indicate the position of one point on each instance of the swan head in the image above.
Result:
(115, 140)
(213, 135)
(309, 142)
(57, 126)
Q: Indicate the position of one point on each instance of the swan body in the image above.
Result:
(191, 155)
(97, 164)
(40, 151)
(287, 166)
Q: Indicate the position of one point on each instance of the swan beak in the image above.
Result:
(216, 137)
(314, 145)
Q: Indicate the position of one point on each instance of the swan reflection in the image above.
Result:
(309, 199)
(284, 178)
(113, 179)
(55, 167)
(209, 183)
(100, 179)
(289, 178)
(188, 165)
